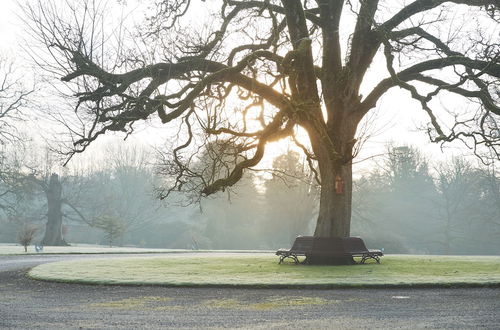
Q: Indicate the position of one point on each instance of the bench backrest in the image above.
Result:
(302, 244)
(354, 245)
(328, 246)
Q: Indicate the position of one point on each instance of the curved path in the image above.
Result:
(28, 304)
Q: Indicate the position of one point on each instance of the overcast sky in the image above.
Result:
(397, 118)
(8, 24)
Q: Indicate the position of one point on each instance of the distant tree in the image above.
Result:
(54, 228)
(232, 220)
(489, 177)
(263, 69)
(52, 189)
(291, 197)
(468, 211)
(30, 177)
(406, 166)
(396, 202)
(122, 185)
(458, 205)
(113, 227)
(14, 98)
(26, 235)
(451, 208)
(9, 192)
(490, 183)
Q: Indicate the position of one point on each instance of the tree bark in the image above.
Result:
(332, 143)
(334, 218)
(53, 229)
(334, 154)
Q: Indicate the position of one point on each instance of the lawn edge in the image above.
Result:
(449, 285)
(457, 283)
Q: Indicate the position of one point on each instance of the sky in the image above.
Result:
(8, 24)
(397, 116)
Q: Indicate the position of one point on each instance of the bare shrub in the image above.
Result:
(26, 235)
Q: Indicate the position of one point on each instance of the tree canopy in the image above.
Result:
(257, 71)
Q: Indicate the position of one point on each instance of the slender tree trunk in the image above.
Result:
(53, 229)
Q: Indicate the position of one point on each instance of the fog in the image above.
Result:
(403, 204)
(404, 200)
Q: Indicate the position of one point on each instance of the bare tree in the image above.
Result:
(291, 198)
(13, 98)
(460, 205)
(52, 189)
(26, 235)
(121, 185)
(27, 174)
(263, 69)
(113, 227)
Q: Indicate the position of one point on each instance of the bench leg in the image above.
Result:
(363, 259)
(293, 256)
(282, 257)
(369, 256)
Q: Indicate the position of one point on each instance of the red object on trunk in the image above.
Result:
(339, 185)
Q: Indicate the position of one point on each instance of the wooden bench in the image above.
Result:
(357, 248)
(329, 250)
(301, 246)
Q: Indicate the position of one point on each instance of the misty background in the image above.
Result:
(405, 200)
(404, 203)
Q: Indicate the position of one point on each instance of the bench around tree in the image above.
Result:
(329, 249)
(301, 246)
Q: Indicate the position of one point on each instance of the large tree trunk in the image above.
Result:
(331, 139)
(335, 167)
(334, 218)
(53, 229)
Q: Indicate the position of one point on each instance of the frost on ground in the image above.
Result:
(75, 248)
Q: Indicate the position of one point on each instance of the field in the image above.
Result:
(262, 270)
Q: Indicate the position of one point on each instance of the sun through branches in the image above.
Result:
(232, 76)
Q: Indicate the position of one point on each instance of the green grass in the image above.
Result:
(264, 271)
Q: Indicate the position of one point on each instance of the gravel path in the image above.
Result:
(28, 304)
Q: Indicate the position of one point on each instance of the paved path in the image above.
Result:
(28, 304)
